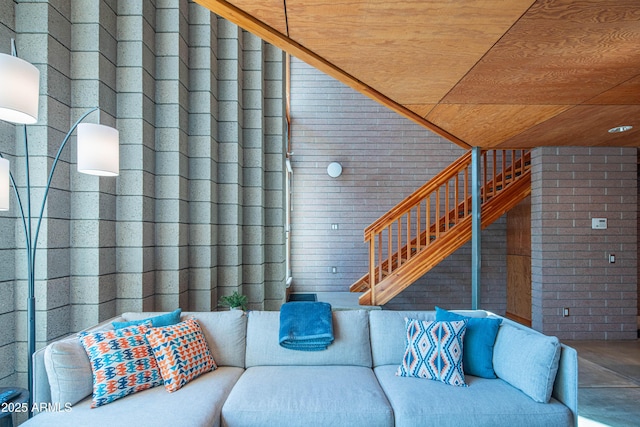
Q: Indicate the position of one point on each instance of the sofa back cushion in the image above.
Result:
(389, 332)
(224, 331)
(526, 359)
(350, 346)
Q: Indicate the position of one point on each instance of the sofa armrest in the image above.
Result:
(565, 388)
(40, 386)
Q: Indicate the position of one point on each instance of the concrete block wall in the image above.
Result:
(135, 213)
(271, 208)
(230, 159)
(92, 252)
(570, 265)
(385, 157)
(197, 211)
(203, 158)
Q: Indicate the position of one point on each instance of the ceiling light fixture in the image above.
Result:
(619, 129)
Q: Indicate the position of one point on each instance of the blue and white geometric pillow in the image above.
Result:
(434, 351)
(122, 363)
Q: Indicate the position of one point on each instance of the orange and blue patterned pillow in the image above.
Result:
(434, 351)
(122, 363)
(182, 353)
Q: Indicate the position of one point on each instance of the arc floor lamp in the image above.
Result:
(97, 152)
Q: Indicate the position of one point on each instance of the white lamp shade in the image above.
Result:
(5, 187)
(19, 90)
(98, 150)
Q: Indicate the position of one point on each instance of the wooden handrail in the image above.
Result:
(420, 194)
(422, 218)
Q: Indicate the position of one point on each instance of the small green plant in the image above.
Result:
(235, 300)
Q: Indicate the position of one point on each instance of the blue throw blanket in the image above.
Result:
(306, 326)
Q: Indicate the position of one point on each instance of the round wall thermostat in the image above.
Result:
(334, 169)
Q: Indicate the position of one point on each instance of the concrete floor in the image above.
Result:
(608, 383)
(344, 300)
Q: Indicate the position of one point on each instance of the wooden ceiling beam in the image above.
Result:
(276, 38)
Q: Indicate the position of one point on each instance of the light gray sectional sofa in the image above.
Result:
(352, 383)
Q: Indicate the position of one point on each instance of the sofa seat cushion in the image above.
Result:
(196, 404)
(307, 396)
(485, 402)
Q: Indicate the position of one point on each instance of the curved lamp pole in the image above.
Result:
(98, 154)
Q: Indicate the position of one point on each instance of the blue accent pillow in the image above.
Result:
(156, 322)
(478, 342)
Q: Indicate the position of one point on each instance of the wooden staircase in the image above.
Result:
(435, 221)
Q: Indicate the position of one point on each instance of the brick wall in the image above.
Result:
(570, 266)
(384, 158)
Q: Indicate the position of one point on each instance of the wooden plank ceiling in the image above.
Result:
(487, 73)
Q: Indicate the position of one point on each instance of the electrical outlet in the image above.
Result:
(612, 258)
(334, 226)
(334, 270)
(565, 312)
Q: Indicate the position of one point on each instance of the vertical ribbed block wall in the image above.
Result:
(198, 209)
(271, 271)
(230, 156)
(93, 201)
(135, 76)
(203, 158)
